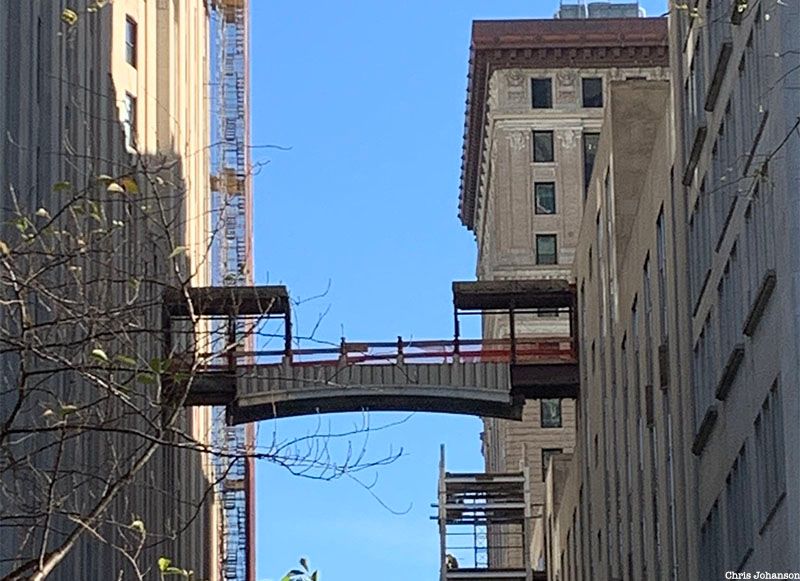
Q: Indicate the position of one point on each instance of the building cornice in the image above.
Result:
(545, 44)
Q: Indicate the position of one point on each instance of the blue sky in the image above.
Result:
(369, 96)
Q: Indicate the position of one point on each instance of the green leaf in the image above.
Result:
(100, 354)
(163, 564)
(304, 563)
(315, 576)
(68, 409)
(4, 250)
(286, 578)
(158, 365)
(62, 186)
(178, 251)
(146, 378)
(115, 188)
(125, 360)
(138, 525)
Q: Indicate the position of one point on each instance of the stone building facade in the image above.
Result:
(104, 89)
(687, 463)
(616, 513)
(537, 92)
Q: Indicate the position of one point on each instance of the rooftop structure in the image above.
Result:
(579, 10)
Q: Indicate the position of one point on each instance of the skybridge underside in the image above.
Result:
(486, 389)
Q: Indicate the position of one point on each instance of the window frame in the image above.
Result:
(131, 41)
(551, 425)
(549, 101)
(129, 122)
(546, 454)
(588, 167)
(547, 133)
(584, 82)
(542, 237)
(536, 205)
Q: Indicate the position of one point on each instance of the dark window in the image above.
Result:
(542, 146)
(590, 142)
(545, 194)
(546, 249)
(592, 92)
(130, 41)
(546, 453)
(551, 413)
(542, 91)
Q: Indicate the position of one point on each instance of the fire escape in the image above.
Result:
(232, 265)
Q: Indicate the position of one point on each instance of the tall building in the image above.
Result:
(736, 71)
(615, 508)
(537, 91)
(687, 458)
(104, 105)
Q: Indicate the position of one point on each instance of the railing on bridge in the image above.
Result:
(522, 351)
(486, 377)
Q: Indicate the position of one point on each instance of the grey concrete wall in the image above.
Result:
(60, 121)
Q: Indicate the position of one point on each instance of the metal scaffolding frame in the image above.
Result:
(231, 200)
(482, 517)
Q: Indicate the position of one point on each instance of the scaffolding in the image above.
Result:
(230, 182)
(485, 525)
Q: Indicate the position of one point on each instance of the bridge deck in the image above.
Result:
(469, 377)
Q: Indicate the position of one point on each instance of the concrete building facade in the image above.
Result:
(619, 510)
(95, 91)
(537, 92)
(686, 465)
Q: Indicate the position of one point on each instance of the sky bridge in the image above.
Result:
(489, 378)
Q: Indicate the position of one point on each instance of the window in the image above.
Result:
(592, 92)
(542, 146)
(661, 257)
(770, 456)
(542, 93)
(590, 142)
(129, 121)
(712, 546)
(130, 41)
(551, 413)
(546, 252)
(546, 453)
(739, 512)
(545, 197)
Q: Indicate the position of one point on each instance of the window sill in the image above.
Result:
(743, 560)
(756, 140)
(719, 76)
(726, 224)
(760, 303)
(701, 292)
(704, 432)
(729, 372)
(694, 155)
(772, 513)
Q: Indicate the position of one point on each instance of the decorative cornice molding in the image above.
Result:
(546, 44)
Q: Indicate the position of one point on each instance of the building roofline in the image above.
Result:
(545, 43)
